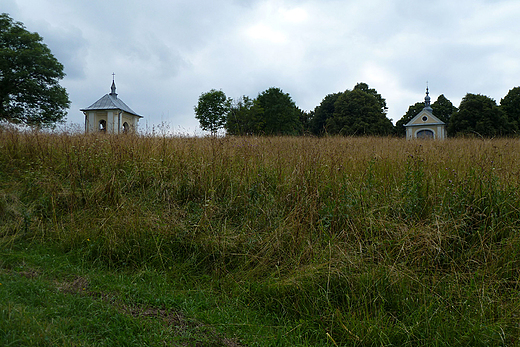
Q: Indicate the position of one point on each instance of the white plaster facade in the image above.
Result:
(110, 121)
(110, 115)
(425, 125)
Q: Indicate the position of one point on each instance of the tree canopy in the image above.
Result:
(273, 112)
(510, 104)
(443, 108)
(30, 93)
(305, 118)
(324, 111)
(361, 111)
(280, 114)
(371, 91)
(478, 114)
(413, 111)
(211, 110)
(244, 117)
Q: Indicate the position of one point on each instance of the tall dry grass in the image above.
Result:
(363, 240)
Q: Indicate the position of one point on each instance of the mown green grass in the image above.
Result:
(49, 299)
(296, 241)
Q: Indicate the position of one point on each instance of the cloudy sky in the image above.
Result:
(165, 53)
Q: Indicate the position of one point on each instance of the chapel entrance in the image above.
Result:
(425, 134)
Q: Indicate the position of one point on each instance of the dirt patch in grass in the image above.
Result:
(29, 274)
(183, 325)
(200, 334)
(78, 285)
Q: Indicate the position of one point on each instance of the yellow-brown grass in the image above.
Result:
(348, 234)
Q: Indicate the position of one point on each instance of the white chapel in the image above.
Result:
(425, 125)
(110, 115)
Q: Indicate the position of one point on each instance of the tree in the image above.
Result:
(272, 113)
(361, 111)
(322, 113)
(211, 110)
(371, 91)
(478, 114)
(244, 117)
(280, 114)
(29, 74)
(443, 109)
(413, 111)
(305, 118)
(510, 104)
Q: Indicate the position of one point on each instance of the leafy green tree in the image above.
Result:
(322, 113)
(305, 120)
(361, 111)
(510, 104)
(443, 109)
(244, 117)
(211, 110)
(413, 111)
(280, 114)
(365, 88)
(478, 114)
(272, 113)
(29, 74)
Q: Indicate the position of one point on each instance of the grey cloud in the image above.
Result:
(166, 53)
(69, 47)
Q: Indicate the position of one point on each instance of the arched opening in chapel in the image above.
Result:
(425, 134)
(103, 125)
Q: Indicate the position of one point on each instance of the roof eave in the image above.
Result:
(109, 108)
(423, 125)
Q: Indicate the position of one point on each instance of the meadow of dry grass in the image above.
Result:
(361, 241)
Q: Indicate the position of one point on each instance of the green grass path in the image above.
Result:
(48, 298)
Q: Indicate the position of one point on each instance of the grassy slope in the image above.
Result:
(365, 241)
(51, 299)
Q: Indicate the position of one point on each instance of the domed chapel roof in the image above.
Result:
(427, 100)
(111, 102)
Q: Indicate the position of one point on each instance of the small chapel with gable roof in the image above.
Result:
(425, 125)
(110, 115)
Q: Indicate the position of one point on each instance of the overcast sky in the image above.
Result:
(165, 53)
